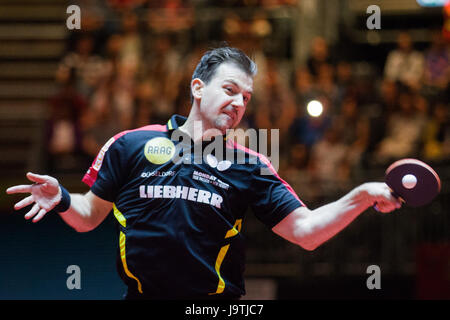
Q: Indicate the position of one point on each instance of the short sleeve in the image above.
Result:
(272, 197)
(105, 175)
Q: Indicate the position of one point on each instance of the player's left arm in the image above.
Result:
(310, 228)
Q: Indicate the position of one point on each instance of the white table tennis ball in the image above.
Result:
(409, 181)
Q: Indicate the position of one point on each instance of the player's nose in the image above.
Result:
(238, 101)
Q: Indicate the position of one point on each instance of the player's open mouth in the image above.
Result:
(230, 114)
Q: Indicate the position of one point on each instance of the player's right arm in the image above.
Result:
(311, 228)
(85, 213)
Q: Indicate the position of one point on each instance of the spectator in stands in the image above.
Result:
(437, 68)
(130, 52)
(297, 171)
(308, 130)
(436, 138)
(303, 86)
(125, 5)
(328, 163)
(111, 55)
(404, 64)
(144, 100)
(64, 137)
(344, 80)
(353, 128)
(377, 115)
(404, 131)
(165, 63)
(319, 54)
(111, 108)
(275, 104)
(389, 91)
(89, 67)
(170, 16)
(252, 43)
(326, 84)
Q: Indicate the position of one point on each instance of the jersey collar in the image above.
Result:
(177, 121)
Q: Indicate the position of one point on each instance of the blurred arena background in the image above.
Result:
(385, 94)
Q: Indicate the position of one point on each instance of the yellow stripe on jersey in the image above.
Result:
(124, 261)
(232, 232)
(122, 239)
(220, 257)
(119, 216)
(223, 251)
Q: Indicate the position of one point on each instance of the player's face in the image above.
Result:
(225, 97)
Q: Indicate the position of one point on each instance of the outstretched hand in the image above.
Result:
(380, 196)
(45, 194)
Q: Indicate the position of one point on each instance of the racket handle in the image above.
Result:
(397, 196)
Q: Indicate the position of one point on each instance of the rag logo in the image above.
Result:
(219, 165)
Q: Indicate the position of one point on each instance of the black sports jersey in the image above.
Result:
(180, 220)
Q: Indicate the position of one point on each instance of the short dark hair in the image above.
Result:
(212, 59)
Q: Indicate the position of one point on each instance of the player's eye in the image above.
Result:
(229, 90)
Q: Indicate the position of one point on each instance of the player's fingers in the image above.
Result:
(40, 215)
(392, 198)
(380, 208)
(385, 206)
(19, 189)
(24, 202)
(37, 177)
(398, 202)
(395, 201)
(32, 212)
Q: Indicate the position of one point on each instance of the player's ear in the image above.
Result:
(197, 86)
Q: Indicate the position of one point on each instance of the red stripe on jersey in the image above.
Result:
(234, 144)
(91, 175)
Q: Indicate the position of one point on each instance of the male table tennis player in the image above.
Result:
(180, 224)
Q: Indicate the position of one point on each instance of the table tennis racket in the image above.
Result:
(413, 181)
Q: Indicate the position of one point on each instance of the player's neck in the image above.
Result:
(198, 129)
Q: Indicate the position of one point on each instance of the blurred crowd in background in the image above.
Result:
(128, 70)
